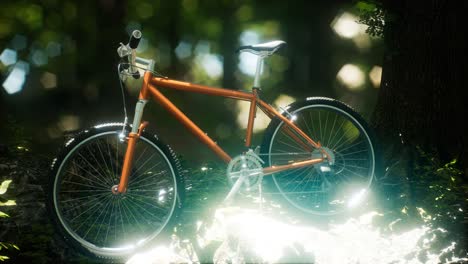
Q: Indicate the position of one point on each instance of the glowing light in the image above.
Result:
(49, 80)
(283, 100)
(424, 215)
(362, 41)
(249, 37)
(248, 235)
(19, 42)
(247, 63)
(261, 120)
(69, 123)
(202, 47)
(351, 76)
(69, 142)
(375, 76)
(15, 80)
(354, 241)
(177, 252)
(8, 57)
(204, 168)
(357, 198)
(54, 49)
(347, 27)
(39, 58)
(183, 50)
(211, 64)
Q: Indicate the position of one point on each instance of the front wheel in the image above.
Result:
(93, 218)
(332, 186)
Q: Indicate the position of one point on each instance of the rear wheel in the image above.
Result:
(96, 220)
(328, 187)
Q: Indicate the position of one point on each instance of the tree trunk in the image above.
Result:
(422, 95)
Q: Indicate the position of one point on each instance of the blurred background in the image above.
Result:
(58, 64)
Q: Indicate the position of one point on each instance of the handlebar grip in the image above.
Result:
(135, 39)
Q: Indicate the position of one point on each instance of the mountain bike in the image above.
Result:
(115, 187)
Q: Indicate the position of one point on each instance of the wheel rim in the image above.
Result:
(105, 223)
(324, 188)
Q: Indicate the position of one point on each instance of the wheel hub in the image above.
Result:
(324, 166)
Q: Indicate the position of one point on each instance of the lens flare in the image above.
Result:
(248, 236)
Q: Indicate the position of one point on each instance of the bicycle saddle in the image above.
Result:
(265, 49)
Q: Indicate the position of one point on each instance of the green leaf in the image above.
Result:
(365, 6)
(4, 186)
(8, 203)
(2, 214)
(3, 258)
(8, 245)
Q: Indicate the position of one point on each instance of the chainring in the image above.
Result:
(249, 166)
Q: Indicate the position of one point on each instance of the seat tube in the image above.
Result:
(131, 142)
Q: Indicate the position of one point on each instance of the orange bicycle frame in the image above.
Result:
(150, 88)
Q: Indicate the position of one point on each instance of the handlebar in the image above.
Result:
(128, 53)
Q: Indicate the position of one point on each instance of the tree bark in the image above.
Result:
(423, 93)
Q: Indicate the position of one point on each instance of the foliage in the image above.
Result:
(440, 188)
(436, 194)
(5, 245)
(372, 14)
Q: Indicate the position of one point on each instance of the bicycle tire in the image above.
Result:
(322, 189)
(105, 225)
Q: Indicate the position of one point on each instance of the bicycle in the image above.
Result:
(115, 187)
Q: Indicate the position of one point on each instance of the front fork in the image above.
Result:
(132, 139)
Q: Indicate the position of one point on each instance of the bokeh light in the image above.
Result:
(54, 49)
(261, 120)
(248, 63)
(39, 58)
(346, 26)
(19, 42)
(351, 76)
(183, 50)
(375, 75)
(253, 236)
(15, 80)
(8, 57)
(48, 80)
(283, 100)
(249, 37)
(212, 64)
(69, 123)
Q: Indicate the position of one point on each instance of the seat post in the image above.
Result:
(258, 71)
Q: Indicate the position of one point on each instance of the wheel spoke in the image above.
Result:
(96, 218)
(314, 188)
